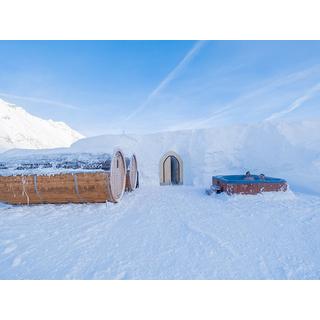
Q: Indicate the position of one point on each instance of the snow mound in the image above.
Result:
(289, 150)
(19, 129)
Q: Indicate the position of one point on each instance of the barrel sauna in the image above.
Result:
(132, 173)
(91, 181)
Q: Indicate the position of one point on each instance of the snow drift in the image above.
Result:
(19, 129)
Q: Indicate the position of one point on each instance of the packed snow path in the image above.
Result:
(165, 233)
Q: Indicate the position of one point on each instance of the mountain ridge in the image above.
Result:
(20, 129)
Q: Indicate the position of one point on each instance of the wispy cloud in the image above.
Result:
(259, 94)
(40, 100)
(170, 76)
(296, 103)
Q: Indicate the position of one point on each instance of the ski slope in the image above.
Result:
(165, 233)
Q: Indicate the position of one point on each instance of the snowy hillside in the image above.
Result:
(19, 129)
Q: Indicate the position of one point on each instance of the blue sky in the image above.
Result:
(142, 86)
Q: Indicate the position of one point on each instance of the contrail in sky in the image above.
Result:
(265, 88)
(296, 103)
(171, 75)
(40, 100)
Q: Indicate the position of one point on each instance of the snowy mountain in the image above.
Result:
(19, 129)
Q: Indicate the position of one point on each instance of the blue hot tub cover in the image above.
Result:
(240, 179)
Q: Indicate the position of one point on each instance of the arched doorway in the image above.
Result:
(171, 169)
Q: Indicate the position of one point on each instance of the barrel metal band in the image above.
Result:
(35, 184)
(76, 188)
(75, 180)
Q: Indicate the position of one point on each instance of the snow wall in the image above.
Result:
(286, 150)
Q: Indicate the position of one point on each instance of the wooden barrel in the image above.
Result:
(70, 187)
(132, 173)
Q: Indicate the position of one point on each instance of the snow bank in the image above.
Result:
(289, 150)
(282, 149)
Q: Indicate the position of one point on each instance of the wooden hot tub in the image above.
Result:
(238, 184)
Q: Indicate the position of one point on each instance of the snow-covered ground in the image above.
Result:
(165, 233)
(179, 232)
